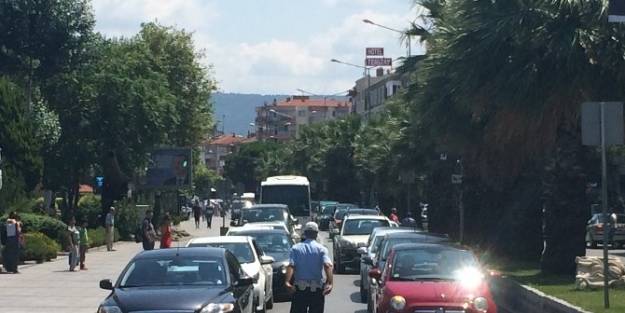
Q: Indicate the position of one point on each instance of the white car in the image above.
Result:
(253, 261)
(270, 225)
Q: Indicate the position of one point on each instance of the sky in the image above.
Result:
(272, 46)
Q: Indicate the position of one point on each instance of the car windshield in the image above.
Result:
(339, 214)
(362, 226)
(328, 210)
(241, 250)
(263, 215)
(433, 263)
(174, 272)
(388, 244)
(272, 242)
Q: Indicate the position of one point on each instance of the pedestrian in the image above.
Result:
(197, 213)
(11, 233)
(109, 225)
(393, 217)
(73, 238)
(147, 228)
(210, 210)
(166, 232)
(307, 262)
(84, 243)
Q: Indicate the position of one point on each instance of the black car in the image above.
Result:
(198, 280)
(277, 244)
(324, 217)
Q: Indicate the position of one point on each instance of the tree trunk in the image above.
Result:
(565, 210)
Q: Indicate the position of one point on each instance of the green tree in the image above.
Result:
(245, 165)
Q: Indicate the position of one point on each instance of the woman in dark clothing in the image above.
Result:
(11, 232)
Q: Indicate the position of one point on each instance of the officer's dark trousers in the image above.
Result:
(306, 301)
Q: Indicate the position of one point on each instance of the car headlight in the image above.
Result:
(480, 304)
(398, 303)
(283, 269)
(109, 309)
(218, 308)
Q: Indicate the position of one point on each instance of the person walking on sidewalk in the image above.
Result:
(307, 260)
(210, 210)
(84, 243)
(197, 213)
(166, 232)
(10, 237)
(147, 228)
(73, 236)
(109, 225)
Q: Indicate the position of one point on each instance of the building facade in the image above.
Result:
(284, 120)
(216, 149)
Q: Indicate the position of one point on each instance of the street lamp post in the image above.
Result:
(408, 40)
(367, 73)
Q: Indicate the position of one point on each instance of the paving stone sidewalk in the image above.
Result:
(51, 288)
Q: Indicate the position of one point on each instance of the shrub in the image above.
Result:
(126, 220)
(39, 247)
(90, 209)
(97, 236)
(49, 226)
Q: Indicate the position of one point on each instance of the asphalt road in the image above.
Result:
(599, 253)
(345, 296)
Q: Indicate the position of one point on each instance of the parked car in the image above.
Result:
(277, 244)
(383, 248)
(339, 214)
(598, 223)
(355, 231)
(180, 280)
(367, 254)
(419, 277)
(253, 261)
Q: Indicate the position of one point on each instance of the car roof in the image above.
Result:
(416, 234)
(381, 231)
(182, 251)
(269, 224)
(267, 230)
(269, 205)
(365, 217)
(221, 239)
(416, 246)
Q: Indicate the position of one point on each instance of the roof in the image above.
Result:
(85, 189)
(365, 217)
(183, 252)
(220, 239)
(244, 231)
(299, 101)
(227, 140)
(269, 205)
(414, 246)
(286, 180)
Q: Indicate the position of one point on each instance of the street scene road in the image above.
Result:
(452, 156)
(51, 288)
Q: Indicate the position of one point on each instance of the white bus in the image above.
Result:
(293, 191)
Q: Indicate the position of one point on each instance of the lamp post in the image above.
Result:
(367, 73)
(408, 41)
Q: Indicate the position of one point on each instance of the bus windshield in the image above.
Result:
(296, 197)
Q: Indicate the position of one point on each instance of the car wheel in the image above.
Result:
(337, 265)
(270, 303)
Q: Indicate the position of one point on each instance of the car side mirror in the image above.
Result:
(367, 260)
(362, 250)
(106, 284)
(375, 274)
(265, 259)
(245, 281)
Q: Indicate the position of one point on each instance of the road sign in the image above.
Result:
(616, 11)
(99, 181)
(378, 62)
(591, 123)
(374, 51)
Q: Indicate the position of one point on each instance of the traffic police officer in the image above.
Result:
(307, 262)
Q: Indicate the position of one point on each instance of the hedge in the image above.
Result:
(39, 247)
(90, 209)
(97, 236)
(49, 226)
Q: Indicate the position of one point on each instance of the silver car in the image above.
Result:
(368, 254)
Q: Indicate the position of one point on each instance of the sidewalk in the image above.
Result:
(51, 288)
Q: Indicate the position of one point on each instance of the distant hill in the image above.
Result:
(239, 109)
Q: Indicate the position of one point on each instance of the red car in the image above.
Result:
(432, 278)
